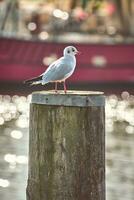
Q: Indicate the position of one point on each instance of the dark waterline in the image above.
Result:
(19, 88)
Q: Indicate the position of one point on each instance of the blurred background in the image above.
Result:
(33, 33)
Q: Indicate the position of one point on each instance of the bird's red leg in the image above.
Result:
(56, 87)
(65, 89)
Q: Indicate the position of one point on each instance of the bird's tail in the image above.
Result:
(34, 81)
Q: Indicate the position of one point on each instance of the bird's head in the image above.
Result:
(70, 50)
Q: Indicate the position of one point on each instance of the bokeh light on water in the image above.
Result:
(119, 147)
(14, 121)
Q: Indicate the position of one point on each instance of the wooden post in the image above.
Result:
(67, 146)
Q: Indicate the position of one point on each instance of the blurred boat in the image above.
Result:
(98, 64)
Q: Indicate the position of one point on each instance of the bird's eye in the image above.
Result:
(73, 50)
(68, 51)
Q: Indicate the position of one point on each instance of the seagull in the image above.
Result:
(59, 70)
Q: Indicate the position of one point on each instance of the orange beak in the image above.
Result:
(78, 52)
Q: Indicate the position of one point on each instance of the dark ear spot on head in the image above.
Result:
(68, 51)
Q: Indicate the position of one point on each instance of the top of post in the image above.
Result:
(71, 98)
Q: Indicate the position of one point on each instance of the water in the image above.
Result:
(14, 122)
(120, 148)
(14, 146)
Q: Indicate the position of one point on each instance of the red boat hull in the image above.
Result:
(20, 60)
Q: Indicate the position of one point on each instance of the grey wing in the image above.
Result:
(57, 72)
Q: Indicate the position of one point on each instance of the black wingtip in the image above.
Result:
(30, 81)
(27, 82)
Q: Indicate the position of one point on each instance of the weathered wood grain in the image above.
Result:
(66, 152)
